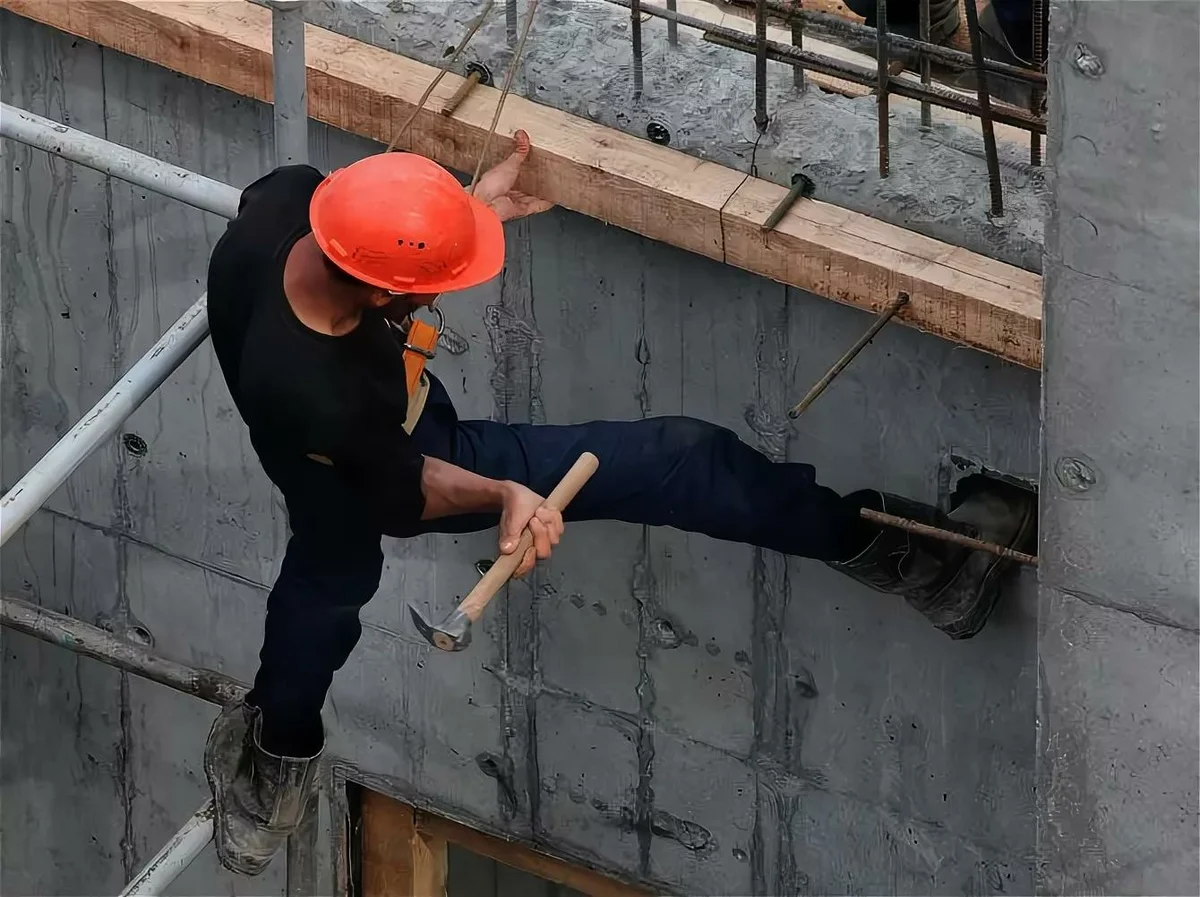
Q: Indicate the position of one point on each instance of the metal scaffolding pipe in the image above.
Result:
(98, 644)
(290, 85)
(103, 420)
(175, 856)
(119, 161)
(107, 415)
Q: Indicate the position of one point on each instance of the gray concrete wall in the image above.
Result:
(786, 731)
(1118, 628)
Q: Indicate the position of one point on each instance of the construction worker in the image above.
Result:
(318, 293)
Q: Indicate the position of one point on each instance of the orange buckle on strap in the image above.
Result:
(420, 346)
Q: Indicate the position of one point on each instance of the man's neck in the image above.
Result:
(320, 302)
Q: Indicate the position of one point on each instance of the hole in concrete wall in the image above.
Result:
(134, 444)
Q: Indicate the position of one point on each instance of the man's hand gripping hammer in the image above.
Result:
(454, 632)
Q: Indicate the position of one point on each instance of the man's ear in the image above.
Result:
(381, 298)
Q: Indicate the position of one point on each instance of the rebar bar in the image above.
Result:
(926, 73)
(845, 71)
(442, 72)
(509, 76)
(635, 34)
(510, 20)
(995, 187)
(947, 56)
(1041, 11)
(840, 365)
(798, 43)
(945, 535)
(672, 27)
(881, 86)
(802, 185)
(460, 94)
(760, 66)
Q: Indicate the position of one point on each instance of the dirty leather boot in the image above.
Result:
(954, 587)
(259, 798)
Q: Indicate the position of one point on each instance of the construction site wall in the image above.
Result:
(784, 730)
(1118, 608)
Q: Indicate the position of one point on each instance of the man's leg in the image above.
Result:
(701, 478)
(263, 755)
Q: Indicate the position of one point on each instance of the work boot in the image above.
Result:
(954, 587)
(259, 798)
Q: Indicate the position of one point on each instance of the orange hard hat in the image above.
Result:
(401, 222)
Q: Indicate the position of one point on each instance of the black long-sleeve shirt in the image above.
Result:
(309, 398)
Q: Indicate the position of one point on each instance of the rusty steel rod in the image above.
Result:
(1015, 116)
(1041, 11)
(995, 186)
(461, 93)
(801, 186)
(881, 87)
(840, 365)
(947, 56)
(760, 66)
(798, 43)
(926, 74)
(635, 33)
(945, 535)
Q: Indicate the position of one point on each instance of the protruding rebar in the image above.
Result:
(985, 110)
(819, 387)
(802, 185)
(1041, 12)
(798, 43)
(945, 535)
(881, 86)
(926, 75)
(635, 33)
(672, 27)
(1017, 117)
(760, 66)
(948, 56)
(510, 21)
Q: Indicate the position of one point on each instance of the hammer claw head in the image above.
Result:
(453, 634)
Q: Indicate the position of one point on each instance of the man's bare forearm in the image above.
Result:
(451, 490)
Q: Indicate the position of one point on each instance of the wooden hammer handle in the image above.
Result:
(506, 564)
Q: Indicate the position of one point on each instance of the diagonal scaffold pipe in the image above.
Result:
(101, 423)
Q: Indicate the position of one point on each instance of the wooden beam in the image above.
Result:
(519, 856)
(398, 859)
(649, 189)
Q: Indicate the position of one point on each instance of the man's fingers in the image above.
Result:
(553, 521)
(526, 565)
(522, 144)
(541, 537)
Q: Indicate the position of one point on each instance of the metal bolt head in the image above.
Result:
(1075, 474)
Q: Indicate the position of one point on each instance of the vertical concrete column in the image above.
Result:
(1118, 617)
(290, 91)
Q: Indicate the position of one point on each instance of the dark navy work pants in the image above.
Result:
(663, 471)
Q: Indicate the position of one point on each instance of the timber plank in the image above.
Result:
(652, 190)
